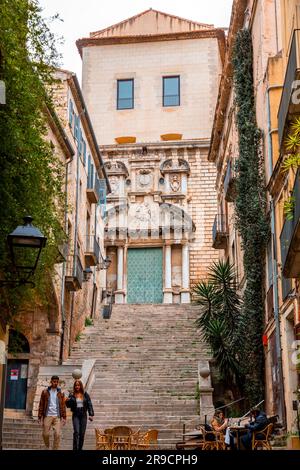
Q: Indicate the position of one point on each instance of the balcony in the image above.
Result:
(229, 183)
(92, 251)
(292, 73)
(220, 232)
(93, 190)
(74, 275)
(290, 238)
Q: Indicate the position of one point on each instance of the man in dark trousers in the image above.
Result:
(52, 412)
(258, 424)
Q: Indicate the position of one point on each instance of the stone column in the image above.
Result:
(184, 183)
(119, 294)
(185, 270)
(168, 296)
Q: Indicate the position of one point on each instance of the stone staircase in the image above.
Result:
(145, 375)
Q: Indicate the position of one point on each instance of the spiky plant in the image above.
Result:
(220, 307)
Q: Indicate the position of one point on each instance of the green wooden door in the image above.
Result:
(144, 276)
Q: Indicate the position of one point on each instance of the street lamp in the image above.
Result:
(104, 263)
(87, 274)
(25, 244)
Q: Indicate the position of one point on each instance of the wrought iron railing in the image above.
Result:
(92, 246)
(290, 76)
(75, 269)
(219, 225)
(289, 226)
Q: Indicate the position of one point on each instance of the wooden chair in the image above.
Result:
(103, 440)
(121, 438)
(148, 439)
(262, 438)
(213, 440)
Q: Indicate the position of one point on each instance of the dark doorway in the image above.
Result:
(17, 372)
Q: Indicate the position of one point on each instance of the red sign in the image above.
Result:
(14, 374)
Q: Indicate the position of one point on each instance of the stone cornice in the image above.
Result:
(217, 33)
(236, 22)
(193, 143)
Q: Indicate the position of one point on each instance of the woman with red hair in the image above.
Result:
(80, 404)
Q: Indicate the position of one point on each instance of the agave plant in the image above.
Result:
(292, 142)
(220, 316)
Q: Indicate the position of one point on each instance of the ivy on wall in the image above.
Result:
(31, 175)
(251, 220)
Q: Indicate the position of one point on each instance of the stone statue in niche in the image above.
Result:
(175, 183)
(114, 184)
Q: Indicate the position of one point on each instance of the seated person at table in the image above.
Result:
(220, 424)
(258, 421)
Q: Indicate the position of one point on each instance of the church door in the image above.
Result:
(144, 276)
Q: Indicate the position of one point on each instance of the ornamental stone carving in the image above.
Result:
(114, 184)
(175, 166)
(144, 179)
(116, 168)
(175, 183)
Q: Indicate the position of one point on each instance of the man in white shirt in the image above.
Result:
(52, 412)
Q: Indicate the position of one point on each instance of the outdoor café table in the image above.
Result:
(238, 430)
(194, 440)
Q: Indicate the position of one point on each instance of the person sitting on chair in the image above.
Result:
(220, 424)
(258, 421)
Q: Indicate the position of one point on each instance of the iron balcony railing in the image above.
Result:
(75, 269)
(287, 233)
(94, 183)
(219, 225)
(220, 232)
(229, 182)
(286, 286)
(293, 67)
(92, 246)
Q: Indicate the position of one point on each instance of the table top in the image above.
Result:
(236, 426)
(196, 432)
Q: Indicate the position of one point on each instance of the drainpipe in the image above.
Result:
(62, 297)
(275, 267)
(75, 242)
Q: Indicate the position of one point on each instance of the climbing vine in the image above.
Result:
(251, 220)
(31, 175)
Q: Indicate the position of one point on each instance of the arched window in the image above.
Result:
(17, 343)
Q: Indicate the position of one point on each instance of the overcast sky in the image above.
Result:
(79, 17)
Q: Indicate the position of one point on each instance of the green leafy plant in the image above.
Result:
(78, 337)
(288, 207)
(88, 321)
(220, 315)
(251, 220)
(31, 174)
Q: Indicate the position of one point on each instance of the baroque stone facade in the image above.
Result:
(163, 200)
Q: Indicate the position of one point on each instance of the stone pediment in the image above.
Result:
(150, 22)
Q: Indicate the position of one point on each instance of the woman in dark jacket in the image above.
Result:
(80, 403)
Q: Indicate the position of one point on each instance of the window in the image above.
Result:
(125, 94)
(171, 91)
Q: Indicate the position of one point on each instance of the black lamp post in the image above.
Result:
(105, 262)
(25, 245)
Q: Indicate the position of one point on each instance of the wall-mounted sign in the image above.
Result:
(24, 371)
(14, 374)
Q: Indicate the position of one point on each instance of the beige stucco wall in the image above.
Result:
(150, 22)
(195, 60)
